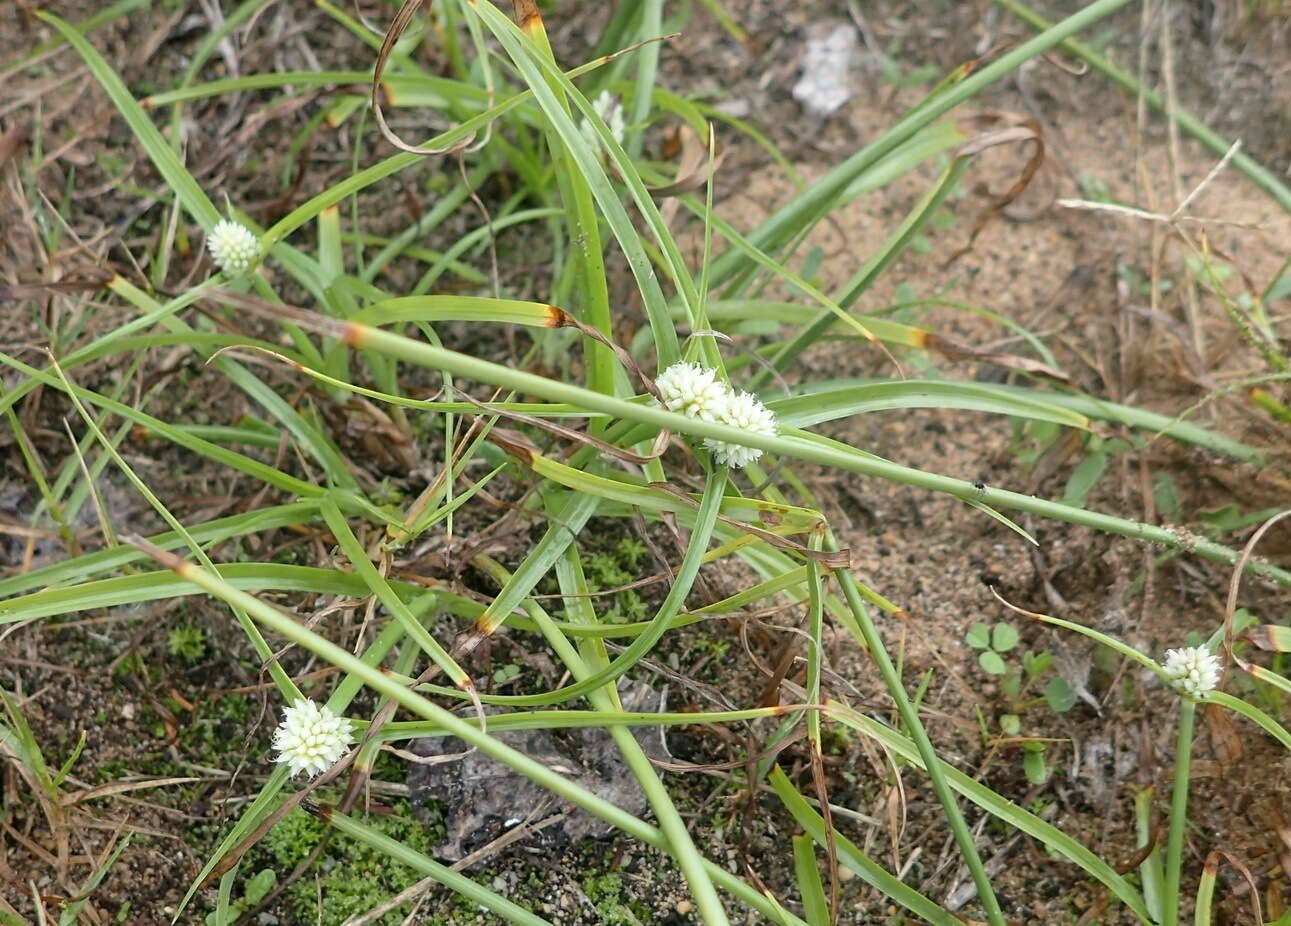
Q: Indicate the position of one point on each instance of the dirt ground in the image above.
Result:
(1073, 276)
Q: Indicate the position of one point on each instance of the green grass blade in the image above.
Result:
(172, 170)
(1151, 870)
(1097, 409)
(874, 266)
(396, 851)
(461, 308)
(807, 410)
(873, 874)
(1252, 713)
(235, 461)
(352, 184)
(156, 586)
(71, 914)
(1002, 808)
(1206, 891)
(575, 719)
(582, 662)
(19, 738)
(380, 587)
(815, 908)
(542, 76)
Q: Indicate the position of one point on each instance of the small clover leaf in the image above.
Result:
(991, 662)
(1003, 638)
(979, 636)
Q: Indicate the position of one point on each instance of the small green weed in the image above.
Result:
(1016, 673)
(187, 642)
(614, 568)
(606, 892)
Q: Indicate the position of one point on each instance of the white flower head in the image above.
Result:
(746, 412)
(233, 247)
(608, 107)
(311, 738)
(693, 390)
(1192, 670)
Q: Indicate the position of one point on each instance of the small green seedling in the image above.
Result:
(612, 569)
(187, 642)
(505, 673)
(993, 642)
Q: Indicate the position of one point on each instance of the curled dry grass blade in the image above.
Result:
(1258, 173)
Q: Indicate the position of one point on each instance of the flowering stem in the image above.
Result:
(799, 445)
(1178, 813)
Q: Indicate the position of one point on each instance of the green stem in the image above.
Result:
(379, 587)
(919, 736)
(605, 699)
(1257, 173)
(1178, 813)
(566, 720)
(397, 851)
(799, 445)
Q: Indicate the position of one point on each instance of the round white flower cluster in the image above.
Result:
(311, 738)
(608, 107)
(1192, 670)
(696, 391)
(233, 247)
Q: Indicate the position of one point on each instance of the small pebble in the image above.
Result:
(684, 906)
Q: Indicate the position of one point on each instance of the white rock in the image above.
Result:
(825, 84)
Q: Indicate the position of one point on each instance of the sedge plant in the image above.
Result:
(1194, 674)
(582, 430)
